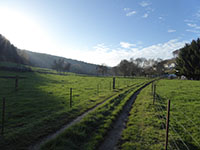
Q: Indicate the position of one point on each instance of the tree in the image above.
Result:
(159, 67)
(103, 69)
(60, 65)
(115, 70)
(66, 67)
(8, 52)
(124, 67)
(188, 60)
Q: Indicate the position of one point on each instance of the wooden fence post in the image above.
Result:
(70, 102)
(114, 83)
(16, 82)
(154, 93)
(152, 87)
(167, 125)
(3, 115)
(97, 89)
(110, 85)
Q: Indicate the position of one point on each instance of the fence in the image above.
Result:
(180, 138)
(70, 94)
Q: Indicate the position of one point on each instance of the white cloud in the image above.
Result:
(197, 14)
(131, 13)
(145, 15)
(171, 31)
(112, 56)
(193, 25)
(144, 4)
(194, 28)
(161, 50)
(188, 20)
(126, 44)
(193, 31)
(126, 9)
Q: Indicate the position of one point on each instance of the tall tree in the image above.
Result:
(188, 60)
(125, 68)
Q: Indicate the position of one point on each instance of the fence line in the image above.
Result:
(189, 119)
(171, 126)
(174, 141)
(186, 130)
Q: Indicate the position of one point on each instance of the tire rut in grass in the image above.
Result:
(110, 141)
(37, 145)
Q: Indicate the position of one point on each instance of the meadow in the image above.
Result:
(90, 132)
(40, 105)
(147, 122)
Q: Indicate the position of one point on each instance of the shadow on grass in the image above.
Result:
(33, 112)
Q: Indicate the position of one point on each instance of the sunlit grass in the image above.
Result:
(146, 124)
(88, 134)
(41, 103)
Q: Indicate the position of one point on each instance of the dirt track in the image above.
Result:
(110, 141)
(37, 145)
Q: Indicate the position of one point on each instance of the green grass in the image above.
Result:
(87, 134)
(41, 104)
(185, 112)
(146, 125)
(143, 130)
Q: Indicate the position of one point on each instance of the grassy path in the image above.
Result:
(91, 130)
(144, 128)
(110, 141)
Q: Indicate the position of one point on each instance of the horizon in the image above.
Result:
(107, 31)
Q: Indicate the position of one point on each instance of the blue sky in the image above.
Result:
(101, 31)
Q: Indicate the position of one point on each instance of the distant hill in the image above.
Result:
(46, 61)
(10, 53)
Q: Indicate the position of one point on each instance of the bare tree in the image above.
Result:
(103, 69)
(60, 65)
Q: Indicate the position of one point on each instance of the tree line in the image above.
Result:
(140, 67)
(134, 67)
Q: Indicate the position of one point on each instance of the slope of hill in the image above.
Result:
(10, 53)
(46, 61)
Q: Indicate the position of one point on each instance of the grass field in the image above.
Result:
(146, 125)
(90, 132)
(41, 103)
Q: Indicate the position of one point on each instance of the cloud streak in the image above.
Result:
(126, 45)
(112, 56)
(131, 13)
(145, 15)
(144, 4)
(171, 31)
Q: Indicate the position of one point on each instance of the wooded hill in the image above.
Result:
(10, 53)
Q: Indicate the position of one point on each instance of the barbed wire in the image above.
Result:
(180, 124)
(164, 117)
(171, 126)
(174, 141)
(189, 119)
